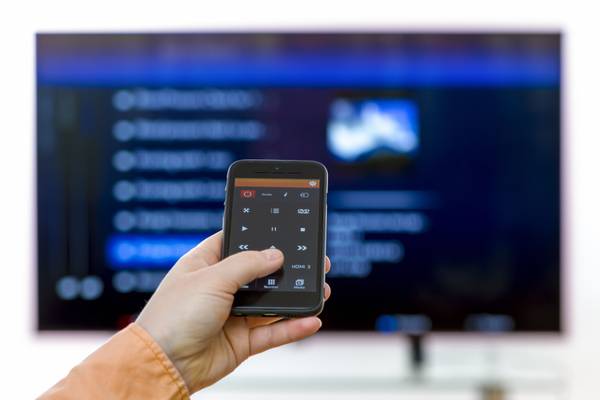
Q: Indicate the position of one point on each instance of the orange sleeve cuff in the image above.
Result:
(131, 365)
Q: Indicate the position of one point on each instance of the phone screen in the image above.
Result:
(278, 213)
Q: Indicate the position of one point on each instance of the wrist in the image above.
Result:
(191, 368)
(162, 358)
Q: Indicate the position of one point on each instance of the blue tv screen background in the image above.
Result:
(443, 153)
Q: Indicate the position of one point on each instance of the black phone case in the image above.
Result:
(286, 312)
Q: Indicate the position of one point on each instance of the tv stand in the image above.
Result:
(418, 358)
(416, 354)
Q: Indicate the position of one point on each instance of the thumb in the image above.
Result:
(242, 268)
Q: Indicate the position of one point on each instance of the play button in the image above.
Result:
(244, 228)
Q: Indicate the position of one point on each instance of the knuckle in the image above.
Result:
(252, 257)
(211, 278)
(287, 336)
(270, 340)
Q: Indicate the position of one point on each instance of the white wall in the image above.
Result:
(30, 362)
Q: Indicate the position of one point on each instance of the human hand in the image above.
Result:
(189, 314)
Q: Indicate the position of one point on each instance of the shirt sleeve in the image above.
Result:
(131, 365)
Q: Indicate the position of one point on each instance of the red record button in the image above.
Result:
(247, 194)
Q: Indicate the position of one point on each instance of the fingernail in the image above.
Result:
(272, 254)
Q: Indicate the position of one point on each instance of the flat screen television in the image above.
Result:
(443, 152)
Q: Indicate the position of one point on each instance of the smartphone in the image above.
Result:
(279, 204)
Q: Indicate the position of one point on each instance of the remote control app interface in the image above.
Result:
(283, 214)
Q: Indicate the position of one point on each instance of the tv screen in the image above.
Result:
(443, 151)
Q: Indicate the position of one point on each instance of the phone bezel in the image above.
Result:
(274, 302)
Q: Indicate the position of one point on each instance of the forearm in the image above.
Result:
(130, 365)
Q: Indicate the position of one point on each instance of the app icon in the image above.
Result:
(304, 195)
(275, 210)
(302, 229)
(299, 282)
(271, 282)
(312, 183)
(246, 210)
(285, 194)
(247, 194)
